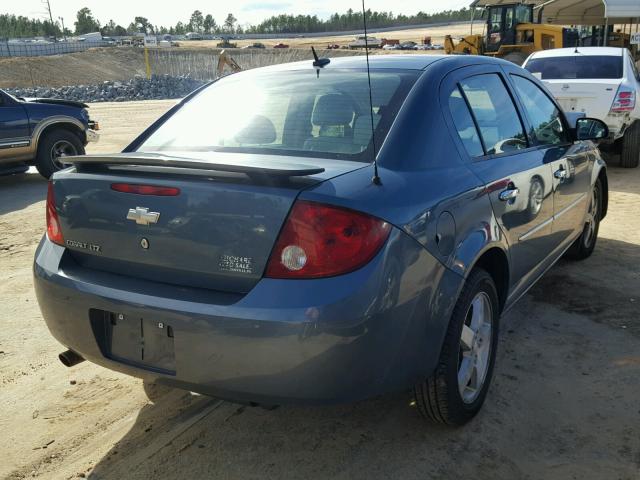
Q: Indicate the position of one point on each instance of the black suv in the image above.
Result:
(42, 132)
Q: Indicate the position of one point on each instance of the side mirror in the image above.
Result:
(591, 129)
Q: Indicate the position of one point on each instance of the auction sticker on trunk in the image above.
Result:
(234, 263)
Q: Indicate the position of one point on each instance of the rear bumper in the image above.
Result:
(92, 135)
(375, 330)
(618, 124)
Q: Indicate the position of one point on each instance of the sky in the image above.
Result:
(169, 12)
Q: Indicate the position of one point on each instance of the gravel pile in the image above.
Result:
(138, 88)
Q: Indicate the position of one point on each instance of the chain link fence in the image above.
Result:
(36, 49)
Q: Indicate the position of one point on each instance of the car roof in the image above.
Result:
(395, 62)
(581, 51)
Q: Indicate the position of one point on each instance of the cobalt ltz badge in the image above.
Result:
(84, 246)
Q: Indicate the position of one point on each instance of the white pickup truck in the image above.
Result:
(602, 82)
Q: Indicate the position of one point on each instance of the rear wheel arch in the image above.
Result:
(604, 182)
(495, 262)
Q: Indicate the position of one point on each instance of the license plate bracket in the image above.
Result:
(139, 341)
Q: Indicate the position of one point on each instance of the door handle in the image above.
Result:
(508, 194)
(560, 174)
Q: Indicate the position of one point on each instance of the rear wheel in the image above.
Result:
(456, 391)
(52, 149)
(630, 154)
(515, 57)
(585, 243)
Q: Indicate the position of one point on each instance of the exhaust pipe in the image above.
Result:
(70, 358)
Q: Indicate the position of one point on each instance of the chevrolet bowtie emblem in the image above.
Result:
(142, 216)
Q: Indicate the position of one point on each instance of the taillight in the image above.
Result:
(54, 232)
(145, 189)
(320, 240)
(625, 100)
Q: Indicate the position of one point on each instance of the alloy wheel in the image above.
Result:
(475, 348)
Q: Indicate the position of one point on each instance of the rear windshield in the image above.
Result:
(577, 67)
(288, 113)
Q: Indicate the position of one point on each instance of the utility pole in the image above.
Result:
(64, 34)
(50, 15)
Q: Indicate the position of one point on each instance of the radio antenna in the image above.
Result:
(376, 178)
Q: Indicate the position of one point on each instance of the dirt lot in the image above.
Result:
(564, 403)
(412, 34)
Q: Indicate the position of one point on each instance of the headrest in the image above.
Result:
(259, 131)
(332, 109)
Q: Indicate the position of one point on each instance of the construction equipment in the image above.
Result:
(599, 35)
(389, 41)
(512, 33)
(226, 43)
(226, 60)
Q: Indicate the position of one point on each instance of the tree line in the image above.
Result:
(353, 20)
(12, 26)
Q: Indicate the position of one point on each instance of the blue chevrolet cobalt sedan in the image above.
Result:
(288, 235)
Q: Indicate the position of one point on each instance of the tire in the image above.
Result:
(583, 246)
(439, 398)
(55, 142)
(515, 57)
(630, 154)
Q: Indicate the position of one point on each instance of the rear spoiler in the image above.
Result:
(249, 164)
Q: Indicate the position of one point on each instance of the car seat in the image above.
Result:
(333, 115)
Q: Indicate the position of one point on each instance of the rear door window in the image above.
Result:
(495, 114)
(465, 127)
(576, 67)
(545, 118)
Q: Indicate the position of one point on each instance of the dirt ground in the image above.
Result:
(412, 34)
(563, 405)
(82, 68)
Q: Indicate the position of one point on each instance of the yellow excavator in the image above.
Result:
(226, 60)
(511, 33)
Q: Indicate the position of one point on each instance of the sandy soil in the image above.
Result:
(415, 34)
(90, 67)
(563, 405)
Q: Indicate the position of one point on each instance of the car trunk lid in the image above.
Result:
(593, 97)
(217, 232)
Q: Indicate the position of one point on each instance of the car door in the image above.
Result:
(517, 179)
(571, 162)
(14, 129)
